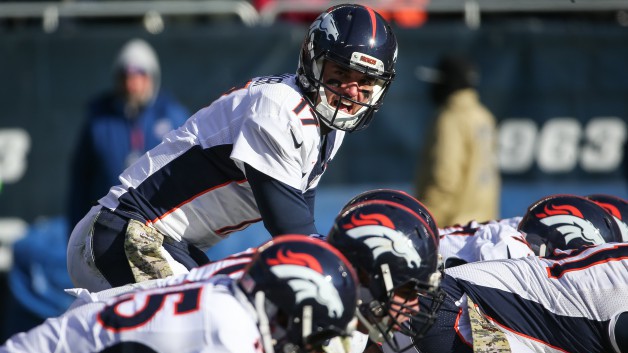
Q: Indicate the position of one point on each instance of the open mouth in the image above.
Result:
(343, 105)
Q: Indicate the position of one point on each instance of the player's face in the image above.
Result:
(404, 304)
(349, 83)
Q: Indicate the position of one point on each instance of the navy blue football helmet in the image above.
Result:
(617, 207)
(354, 37)
(396, 257)
(304, 292)
(400, 197)
(567, 222)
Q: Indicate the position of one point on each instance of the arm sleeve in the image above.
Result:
(284, 209)
(310, 198)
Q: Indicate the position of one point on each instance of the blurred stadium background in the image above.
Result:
(553, 72)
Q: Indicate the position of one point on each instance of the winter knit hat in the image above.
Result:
(138, 55)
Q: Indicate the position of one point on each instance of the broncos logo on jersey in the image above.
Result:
(304, 274)
(326, 24)
(570, 222)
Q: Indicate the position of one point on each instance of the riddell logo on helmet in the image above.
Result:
(368, 60)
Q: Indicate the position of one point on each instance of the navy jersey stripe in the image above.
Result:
(192, 174)
(533, 321)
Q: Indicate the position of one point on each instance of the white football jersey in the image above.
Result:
(192, 186)
(483, 241)
(232, 266)
(207, 316)
(562, 304)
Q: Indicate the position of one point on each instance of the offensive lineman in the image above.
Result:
(576, 301)
(256, 153)
(276, 306)
(572, 301)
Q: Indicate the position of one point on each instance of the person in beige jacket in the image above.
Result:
(458, 177)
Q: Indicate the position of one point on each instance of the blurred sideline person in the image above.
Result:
(295, 294)
(121, 125)
(256, 153)
(458, 177)
(393, 251)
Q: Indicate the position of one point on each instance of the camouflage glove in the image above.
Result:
(144, 251)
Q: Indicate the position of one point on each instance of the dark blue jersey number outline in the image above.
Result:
(112, 319)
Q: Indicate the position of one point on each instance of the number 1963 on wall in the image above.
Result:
(561, 144)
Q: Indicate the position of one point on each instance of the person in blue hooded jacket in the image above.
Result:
(121, 125)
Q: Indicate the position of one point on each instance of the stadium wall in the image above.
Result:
(558, 87)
